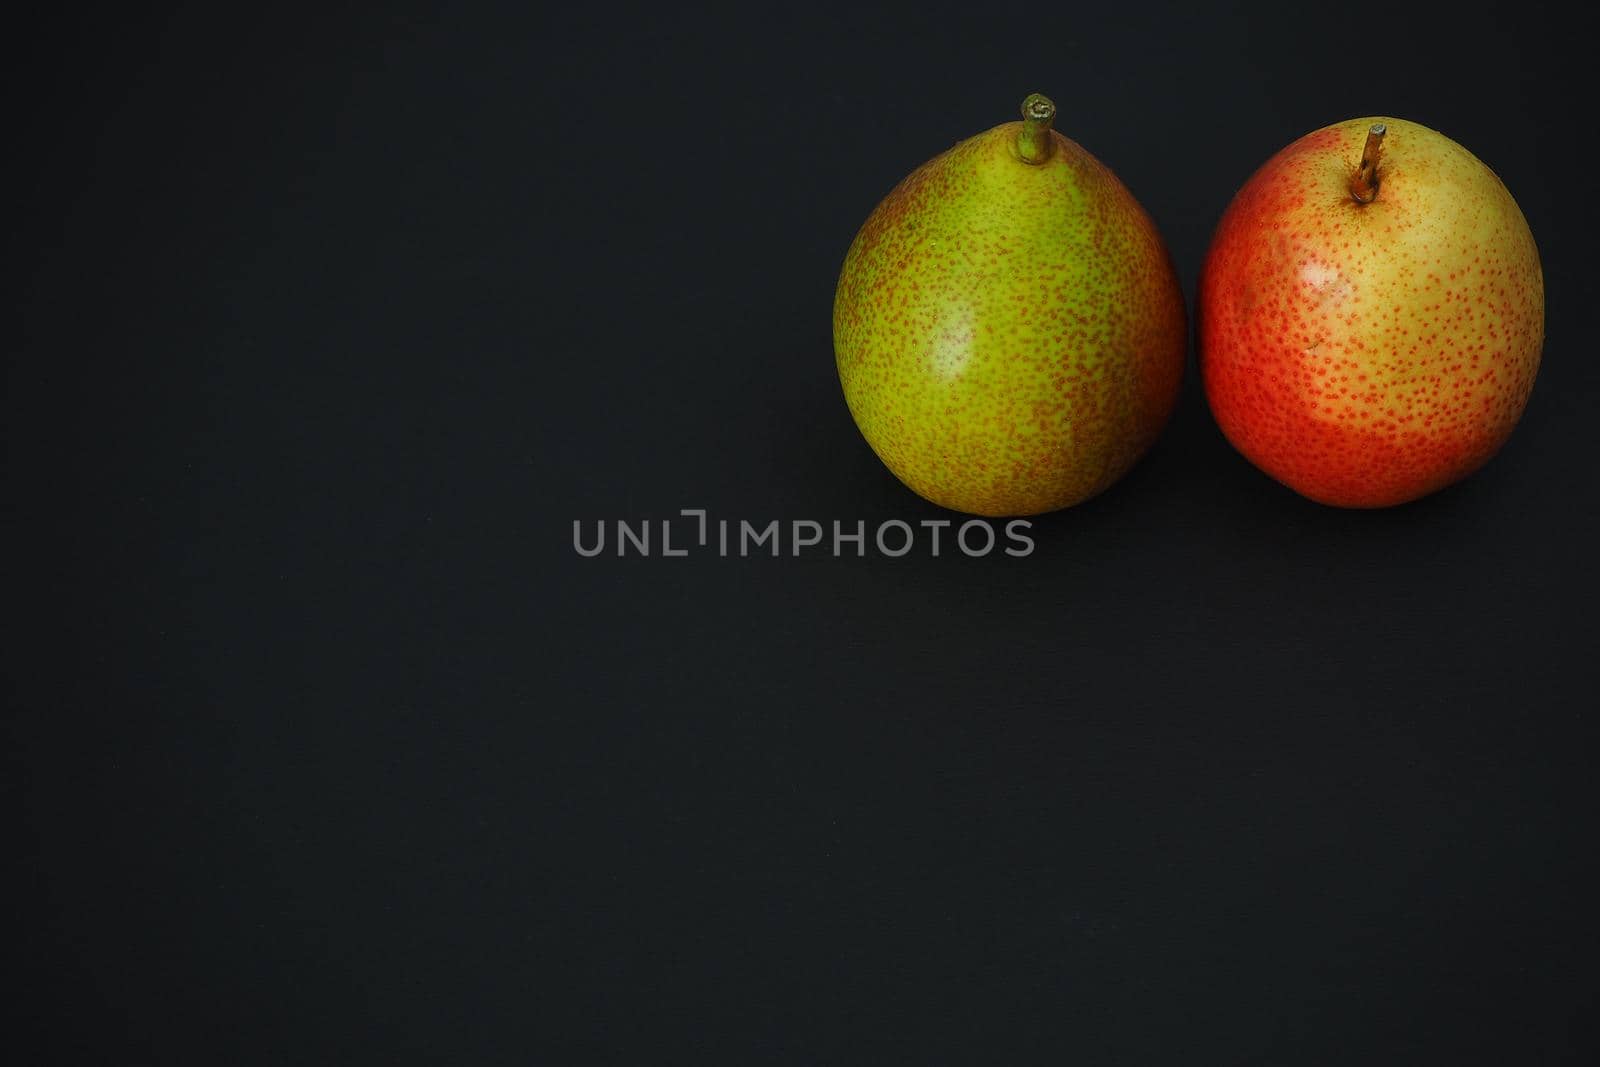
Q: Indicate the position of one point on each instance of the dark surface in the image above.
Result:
(327, 746)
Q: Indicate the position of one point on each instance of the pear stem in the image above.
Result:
(1034, 142)
(1364, 183)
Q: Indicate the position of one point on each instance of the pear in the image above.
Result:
(1371, 314)
(1008, 328)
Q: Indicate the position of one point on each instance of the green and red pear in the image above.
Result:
(1371, 314)
(1008, 328)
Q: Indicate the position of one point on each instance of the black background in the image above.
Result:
(328, 747)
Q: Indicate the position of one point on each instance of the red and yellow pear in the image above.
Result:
(1371, 314)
